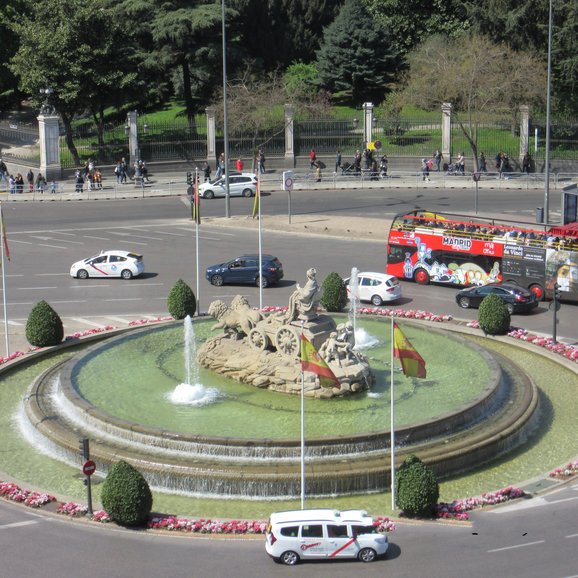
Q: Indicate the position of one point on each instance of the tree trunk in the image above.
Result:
(69, 140)
(188, 96)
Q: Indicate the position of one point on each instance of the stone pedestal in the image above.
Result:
(289, 137)
(49, 132)
(447, 131)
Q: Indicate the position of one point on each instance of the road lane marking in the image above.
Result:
(33, 288)
(135, 242)
(18, 524)
(17, 323)
(517, 546)
(127, 299)
(87, 322)
(87, 286)
(50, 246)
(572, 536)
(99, 238)
(51, 274)
(175, 234)
(118, 319)
(143, 237)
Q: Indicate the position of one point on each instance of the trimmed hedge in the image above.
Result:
(126, 495)
(493, 316)
(334, 293)
(44, 326)
(181, 301)
(417, 488)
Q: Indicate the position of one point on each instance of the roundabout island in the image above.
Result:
(211, 445)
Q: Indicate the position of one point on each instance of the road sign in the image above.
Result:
(88, 468)
(287, 180)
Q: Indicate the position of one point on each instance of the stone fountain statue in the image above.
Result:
(265, 351)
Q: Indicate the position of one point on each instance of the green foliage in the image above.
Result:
(44, 326)
(356, 60)
(181, 301)
(301, 81)
(334, 293)
(417, 489)
(126, 495)
(493, 316)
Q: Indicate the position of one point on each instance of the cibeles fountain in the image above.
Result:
(213, 409)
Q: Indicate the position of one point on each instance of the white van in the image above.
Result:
(323, 533)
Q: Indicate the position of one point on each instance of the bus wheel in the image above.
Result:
(421, 276)
(538, 291)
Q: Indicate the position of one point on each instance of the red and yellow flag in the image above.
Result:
(4, 237)
(412, 362)
(257, 198)
(313, 362)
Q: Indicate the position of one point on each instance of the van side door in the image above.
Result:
(312, 544)
(341, 543)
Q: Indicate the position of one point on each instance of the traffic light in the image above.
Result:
(84, 448)
(189, 178)
(556, 291)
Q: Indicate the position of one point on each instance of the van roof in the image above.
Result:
(322, 515)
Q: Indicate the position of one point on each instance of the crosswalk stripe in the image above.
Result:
(18, 524)
(120, 320)
(86, 322)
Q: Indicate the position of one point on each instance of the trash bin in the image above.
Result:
(539, 214)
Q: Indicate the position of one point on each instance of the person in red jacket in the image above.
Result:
(240, 165)
(312, 159)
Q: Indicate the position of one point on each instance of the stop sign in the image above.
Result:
(88, 468)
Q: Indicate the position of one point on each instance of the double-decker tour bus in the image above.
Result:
(459, 250)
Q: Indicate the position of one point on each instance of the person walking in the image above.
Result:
(424, 170)
(312, 159)
(240, 165)
(337, 160)
(40, 183)
(318, 173)
(438, 158)
(482, 164)
(30, 179)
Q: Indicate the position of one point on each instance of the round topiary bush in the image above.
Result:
(181, 301)
(417, 488)
(126, 495)
(44, 326)
(334, 293)
(493, 316)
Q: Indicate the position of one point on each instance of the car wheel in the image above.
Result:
(421, 276)
(82, 274)
(217, 280)
(289, 558)
(247, 193)
(367, 555)
(510, 308)
(464, 302)
(209, 195)
(538, 291)
(126, 274)
(376, 300)
(262, 282)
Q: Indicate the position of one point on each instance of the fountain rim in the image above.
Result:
(471, 408)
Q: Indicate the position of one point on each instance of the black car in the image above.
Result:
(517, 299)
(244, 270)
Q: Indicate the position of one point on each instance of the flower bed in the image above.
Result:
(568, 471)
(14, 493)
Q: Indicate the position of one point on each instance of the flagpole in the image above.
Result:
(260, 243)
(302, 428)
(2, 238)
(196, 200)
(392, 424)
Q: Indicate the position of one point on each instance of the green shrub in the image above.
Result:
(493, 316)
(181, 301)
(44, 326)
(334, 293)
(417, 488)
(126, 495)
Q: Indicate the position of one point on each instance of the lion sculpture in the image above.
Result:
(235, 320)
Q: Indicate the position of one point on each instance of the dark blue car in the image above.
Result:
(244, 270)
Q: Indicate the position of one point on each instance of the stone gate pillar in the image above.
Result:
(447, 131)
(211, 134)
(289, 137)
(367, 123)
(133, 152)
(49, 132)
(524, 131)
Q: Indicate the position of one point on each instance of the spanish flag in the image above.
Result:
(412, 362)
(257, 198)
(313, 362)
(4, 237)
(196, 202)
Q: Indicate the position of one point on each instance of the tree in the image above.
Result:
(493, 316)
(410, 22)
(181, 301)
(72, 56)
(334, 293)
(357, 61)
(11, 11)
(475, 75)
(417, 488)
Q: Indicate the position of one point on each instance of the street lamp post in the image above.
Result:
(225, 120)
(548, 106)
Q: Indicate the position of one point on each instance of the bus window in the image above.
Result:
(397, 254)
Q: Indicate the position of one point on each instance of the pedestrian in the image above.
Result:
(482, 164)
(318, 173)
(40, 183)
(220, 166)
(240, 165)
(19, 183)
(383, 166)
(461, 163)
(3, 170)
(312, 159)
(438, 158)
(424, 170)
(79, 181)
(118, 171)
(261, 160)
(144, 171)
(12, 184)
(30, 179)
(207, 172)
(526, 162)
(505, 167)
(53, 187)
(98, 178)
(124, 170)
(337, 160)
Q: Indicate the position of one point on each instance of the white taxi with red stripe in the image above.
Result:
(323, 534)
(122, 264)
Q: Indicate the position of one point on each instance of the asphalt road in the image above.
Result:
(530, 539)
